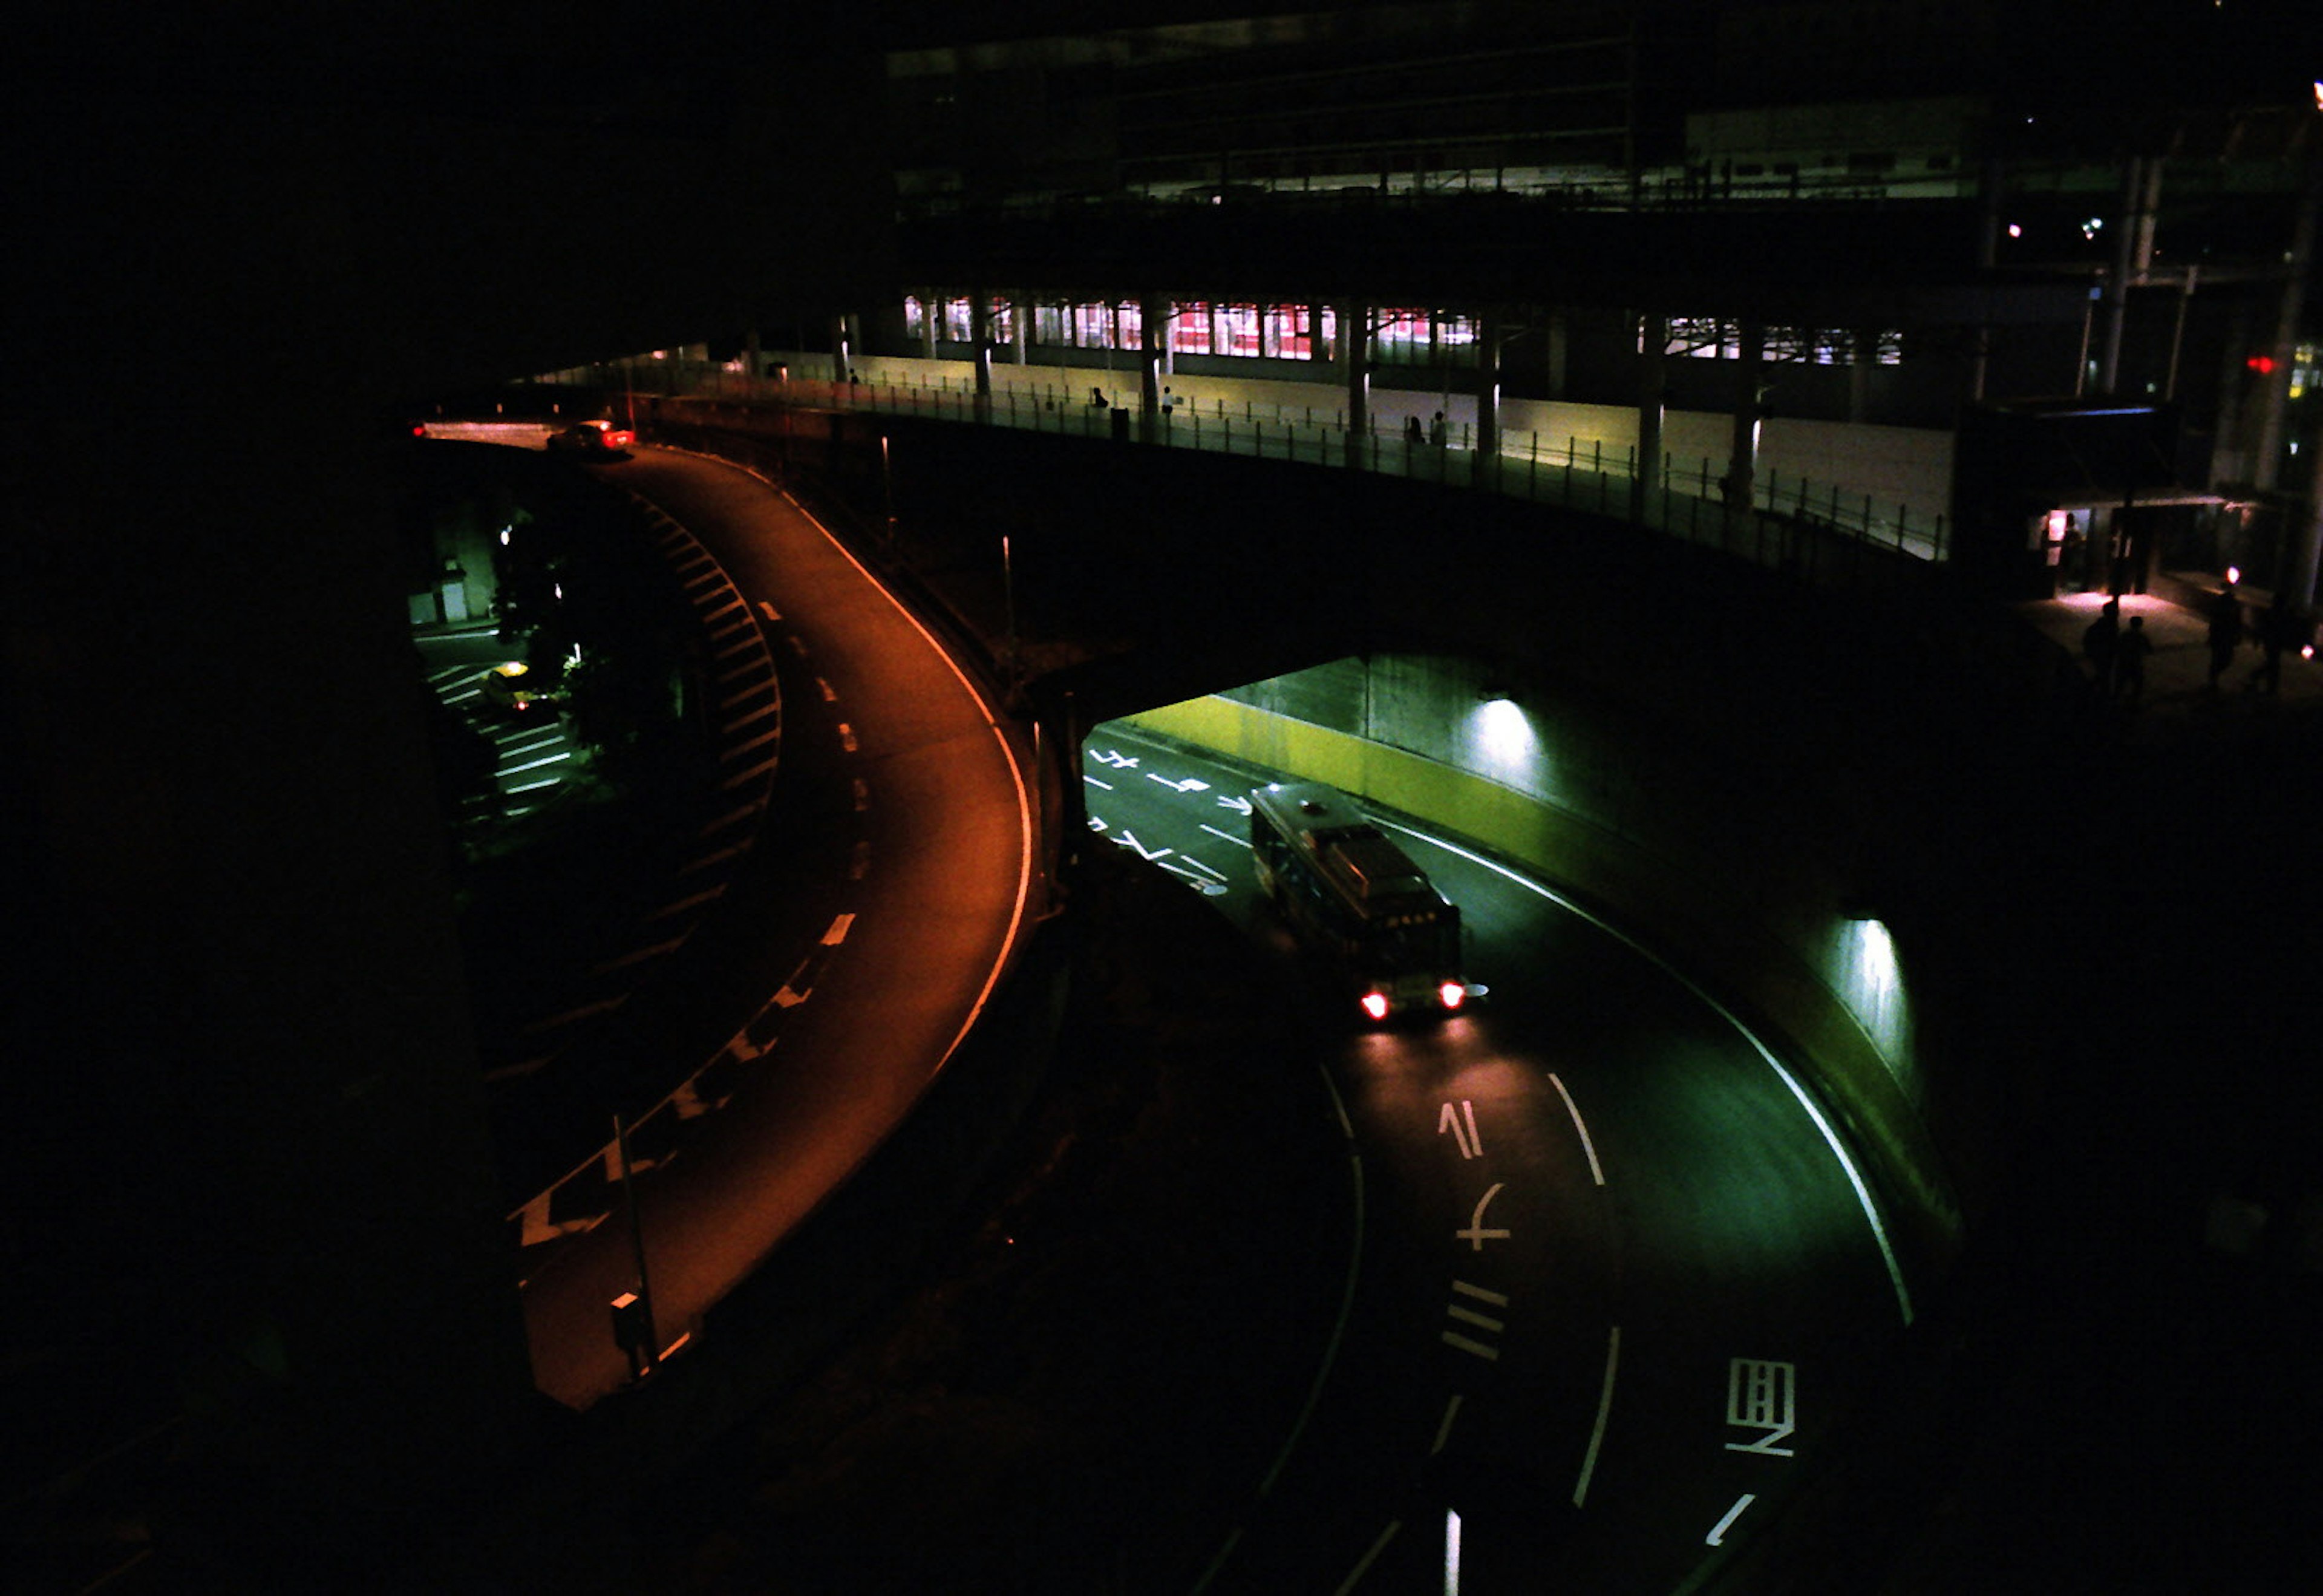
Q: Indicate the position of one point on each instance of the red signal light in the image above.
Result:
(2263, 364)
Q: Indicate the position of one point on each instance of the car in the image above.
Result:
(513, 686)
(600, 439)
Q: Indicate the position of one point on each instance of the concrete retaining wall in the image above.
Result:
(1677, 908)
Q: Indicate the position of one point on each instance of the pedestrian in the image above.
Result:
(2225, 632)
(1411, 432)
(2280, 630)
(1168, 404)
(1436, 430)
(2129, 661)
(2099, 640)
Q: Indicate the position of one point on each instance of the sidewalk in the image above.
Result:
(2177, 698)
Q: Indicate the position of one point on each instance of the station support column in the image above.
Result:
(1750, 389)
(1355, 366)
(1653, 391)
(1488, 395)
(980, 328)
(1153, 323)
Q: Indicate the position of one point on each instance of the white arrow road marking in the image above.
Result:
(1129, 839)
(1189, 785)
(1239, 805)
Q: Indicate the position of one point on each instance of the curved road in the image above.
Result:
(1617, 1288)
(940, 875)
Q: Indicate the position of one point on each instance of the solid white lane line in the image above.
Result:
(1025, 840)
(1241, 842)
(1604, 1408)
(1830, 1137)
(1595, 1173)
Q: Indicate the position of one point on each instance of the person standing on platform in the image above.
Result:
(2226, 633)
(2099, 642)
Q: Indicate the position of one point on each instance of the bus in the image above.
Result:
(1347, 891)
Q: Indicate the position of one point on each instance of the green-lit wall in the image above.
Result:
(1828, 988)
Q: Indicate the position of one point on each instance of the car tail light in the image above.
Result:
(1451, 993)
(1375, 1005)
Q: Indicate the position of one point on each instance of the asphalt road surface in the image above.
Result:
(936, 833)
(1617, 1287)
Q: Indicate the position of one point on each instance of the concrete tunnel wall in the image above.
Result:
(1802, 975)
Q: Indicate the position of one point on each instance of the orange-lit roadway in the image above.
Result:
(939, 893)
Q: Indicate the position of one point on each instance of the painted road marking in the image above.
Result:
(769, 610)
(1476, 1236)
(1830, 1137)
(1482, 1321)
(1192, 784)
(838, 931)
(830, 694)
(847, 736)
(1444, 1430)
(1462, 1123)
(742, 778)
(1604, 1408)
(1093, 782)
(636, 955)
(1364, 1563)
(683, 905)
(1595, 1173)
(1717, 1538)
(1762, 1394)
(1242, 842)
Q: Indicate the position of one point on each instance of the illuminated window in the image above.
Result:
(1051, 323)
(956, 321)
(1287, 333)
(916, 316)
(1190, 331)
(1238, 330)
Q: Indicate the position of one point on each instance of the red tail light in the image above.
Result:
(1375, 1005)
(1451, 993)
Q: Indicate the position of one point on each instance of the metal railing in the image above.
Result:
(1688, 499)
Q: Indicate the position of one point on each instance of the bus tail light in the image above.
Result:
(1451, 993)
(1375, 1005)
